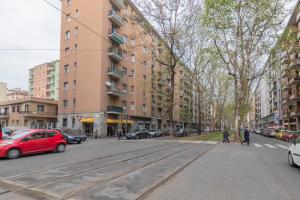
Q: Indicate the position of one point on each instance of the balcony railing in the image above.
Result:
(114, 110)
(116, 37)
(295, 97)
(115, 53)
(115, 18)
(114, 92)
(114, 72)
(118, 3)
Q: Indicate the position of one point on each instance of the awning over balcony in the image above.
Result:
(87, 120)
(117, 121)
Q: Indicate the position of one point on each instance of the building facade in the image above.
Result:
(3, 91)
(15, 94)
(44, 81)
(111, 80)
(29, 113)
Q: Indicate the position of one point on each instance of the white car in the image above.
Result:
(294, 153)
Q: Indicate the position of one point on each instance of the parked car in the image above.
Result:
(165, 132)
(139, 134)
(294, 153)
(268, 132)
(280, 133)
(290, 136)
(32, 142)
(5, 136)
(181, 133)
(155, 133)
(20, 131)
(72, 136)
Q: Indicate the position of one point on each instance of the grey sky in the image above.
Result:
(27, 24)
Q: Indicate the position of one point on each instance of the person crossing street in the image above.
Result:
(246, 137)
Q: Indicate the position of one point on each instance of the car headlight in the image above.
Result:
(6, 143)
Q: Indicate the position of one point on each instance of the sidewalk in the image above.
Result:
(227, 172)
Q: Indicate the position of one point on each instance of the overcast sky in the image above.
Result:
(27, 24)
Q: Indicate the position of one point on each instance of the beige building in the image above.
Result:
(44, 81)
(15, 94)
(3, 90)
(28, 113)
(111, 80)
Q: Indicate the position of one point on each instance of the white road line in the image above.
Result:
(270, 146)
(257, 145)
(197, 142)
(284, 147)
(211, 142)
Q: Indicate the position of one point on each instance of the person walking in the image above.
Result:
(226, 137)
(119, 132)
(246, 136)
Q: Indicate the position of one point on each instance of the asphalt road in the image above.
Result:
(154, 170)
(237, 172)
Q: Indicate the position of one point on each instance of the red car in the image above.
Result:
(32, 142)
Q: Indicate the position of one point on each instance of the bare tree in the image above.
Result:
(173, 20)
(244, 34)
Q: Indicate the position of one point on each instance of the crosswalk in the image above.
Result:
(270, 146)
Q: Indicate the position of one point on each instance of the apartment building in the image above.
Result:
(3, 90)
(111, 79)
(44, 80)
(15, 94)
(28, 113)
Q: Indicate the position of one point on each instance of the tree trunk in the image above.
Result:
(171, 109)
(237, 122)
(199, 113)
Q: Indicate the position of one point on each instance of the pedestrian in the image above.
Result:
(119, 132)
(226, 137)
(246, 136)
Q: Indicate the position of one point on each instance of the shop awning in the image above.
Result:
(117, 121)
(87, 120)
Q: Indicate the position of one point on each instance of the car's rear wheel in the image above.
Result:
(60, 148)
(13, 153)
(291, 160)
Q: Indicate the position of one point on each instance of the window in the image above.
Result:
(65, 103)
(68, 18)
(75, 65)
(50, 134)
(133, 58)
(67, 51)
(132, 73)
(67, 35)
(74, 103)
(76, 32)
(69, 2)
(75, 84)
(124, 71)
(132, 89)
(18, 108)
(145, 49)
(40, 108)
(125, 39)
(145, 77)
(67, 69)
(132, 107)
(77, 13)
(13, 109)
(132, 42)
(125, 87)
(144, 93)
(66, 86)
(144, 63)
(65, 122)
(36, 136)
(76, 47)
(73, 122)
(144, 108)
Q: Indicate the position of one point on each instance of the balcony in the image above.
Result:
(295, 64)
(295, 97)
(295, 113)
(38, 114)
(114, 92)
(114, 110)
(116, 37)
(118, 3)
(114, 72)
(115, 18)
(295, 80)
(115, 53)
(4, 115)
(286, 88)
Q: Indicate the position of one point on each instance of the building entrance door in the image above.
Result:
(88, 128)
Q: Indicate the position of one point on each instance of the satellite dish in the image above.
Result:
(108, 83)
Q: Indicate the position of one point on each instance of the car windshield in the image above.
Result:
(19, 135)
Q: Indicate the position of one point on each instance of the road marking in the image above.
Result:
(270, 146)
(257, 145)
(284, 147)
(197, 142)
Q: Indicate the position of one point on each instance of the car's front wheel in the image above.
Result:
(291, 160)
(60, 148)
(13, 153)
